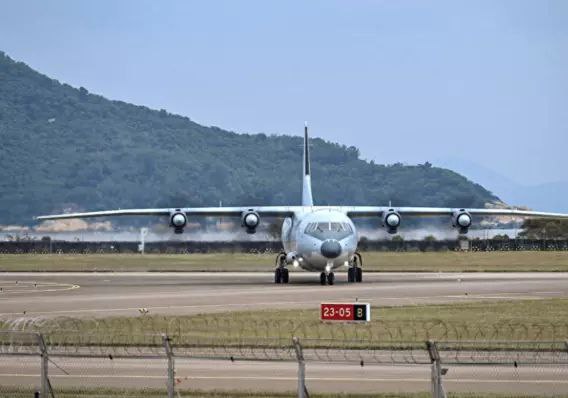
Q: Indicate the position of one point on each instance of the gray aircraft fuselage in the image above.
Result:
(320, 239)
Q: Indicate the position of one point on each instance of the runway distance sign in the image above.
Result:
(346, 312)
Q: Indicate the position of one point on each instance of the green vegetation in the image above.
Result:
(65, 148)
(373, 261)
(137, 262)
(527, 320)
(545, 229)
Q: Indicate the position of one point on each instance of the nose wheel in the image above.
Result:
(355, 272)
(327, 278)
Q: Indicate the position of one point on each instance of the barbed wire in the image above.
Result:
(236, 328)
(401, 341)
(314, 350)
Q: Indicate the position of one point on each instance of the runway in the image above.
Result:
(44, 295)
(281, 376)
(122, 294)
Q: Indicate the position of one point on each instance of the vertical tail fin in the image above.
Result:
(307, 182)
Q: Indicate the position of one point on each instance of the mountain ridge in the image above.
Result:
(548, 196)
(65, 148)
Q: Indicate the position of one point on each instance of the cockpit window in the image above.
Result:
(329, 230)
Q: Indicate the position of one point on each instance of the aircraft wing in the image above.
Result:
(287, 211)
(268, 211)
(369, 211)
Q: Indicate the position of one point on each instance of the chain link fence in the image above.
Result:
(179, 365)
(269, 247)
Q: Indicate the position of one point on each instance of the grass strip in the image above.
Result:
(527, 320)
(525, 261)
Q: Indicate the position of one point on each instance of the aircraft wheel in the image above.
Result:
(285, 275)
(322, 278)
(351, 274)
(278, 275)
(330, 278)
(358, 274)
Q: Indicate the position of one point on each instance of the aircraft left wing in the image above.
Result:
(268, 211)
(369, 211)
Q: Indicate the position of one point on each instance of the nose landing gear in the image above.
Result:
(355, 272)
(281, 274)
(329, 278)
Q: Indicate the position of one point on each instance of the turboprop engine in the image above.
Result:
(250, 220)
(391, 221)
(178, 220)
(461, 219)
(291, 257)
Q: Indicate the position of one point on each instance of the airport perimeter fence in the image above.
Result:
(272, 247)
(146, 357)
(233, 328)
(174, 367)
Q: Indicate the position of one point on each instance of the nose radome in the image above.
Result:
(331, 248)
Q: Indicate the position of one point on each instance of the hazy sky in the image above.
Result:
(409, 81)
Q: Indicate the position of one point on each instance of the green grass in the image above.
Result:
(137, 262)
(373, 261)
(528, 320)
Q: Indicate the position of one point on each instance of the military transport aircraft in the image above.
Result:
(315, 238)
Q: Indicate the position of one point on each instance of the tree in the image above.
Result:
(430, 238)
(103, 154)
(544, 229)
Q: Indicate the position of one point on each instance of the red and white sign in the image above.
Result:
(347, 312)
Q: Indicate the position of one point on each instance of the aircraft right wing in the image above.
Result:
(268, 211)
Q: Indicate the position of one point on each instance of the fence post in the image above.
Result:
(437, 387)
(171, 367)
(302, 390)
(44, 377)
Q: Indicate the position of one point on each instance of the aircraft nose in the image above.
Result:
(331, 248)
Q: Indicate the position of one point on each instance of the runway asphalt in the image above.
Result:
(281, 376)
(122, 294)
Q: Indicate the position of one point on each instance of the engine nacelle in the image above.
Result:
(391, 221)
(250, 220)
(461, 219)
(178, 221)
(291, 257)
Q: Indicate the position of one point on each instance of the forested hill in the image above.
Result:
(64, 148)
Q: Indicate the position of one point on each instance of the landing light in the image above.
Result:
(346, 263)
(296, 263)
(327, 268)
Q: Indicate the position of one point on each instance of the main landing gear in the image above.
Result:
(281, 274)
(355, 272)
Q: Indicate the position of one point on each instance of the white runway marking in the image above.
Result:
(19, 287)
(269, 303)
